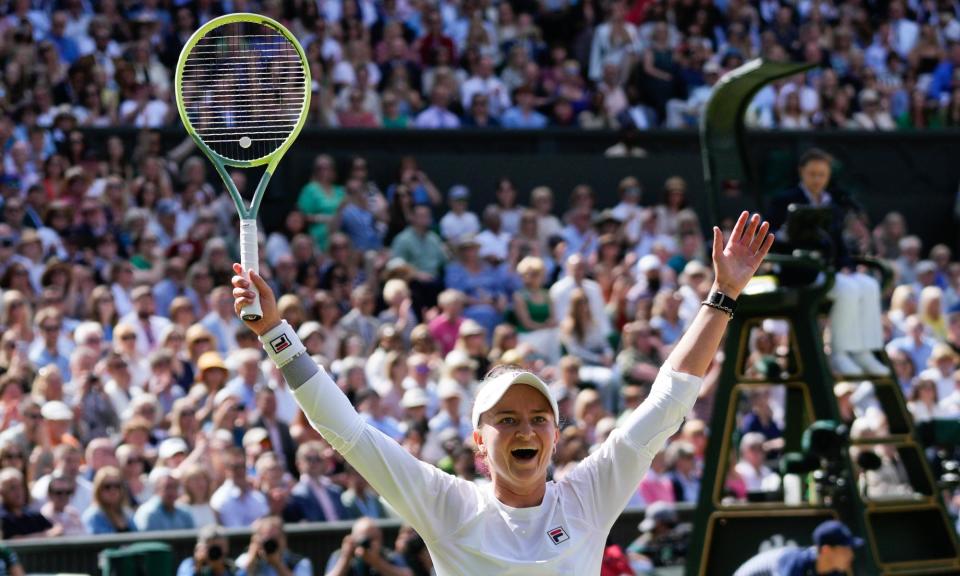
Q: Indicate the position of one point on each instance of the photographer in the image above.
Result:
(210, 555)
(268, 554)
(362, 554)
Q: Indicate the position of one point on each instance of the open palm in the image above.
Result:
(735, 263)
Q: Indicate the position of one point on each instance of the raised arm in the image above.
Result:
(733, 265)
(432, 501)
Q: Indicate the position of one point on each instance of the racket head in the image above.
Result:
(243, 89)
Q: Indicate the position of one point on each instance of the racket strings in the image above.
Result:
(244, 89)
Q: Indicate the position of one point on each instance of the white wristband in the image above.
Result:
(282, 344)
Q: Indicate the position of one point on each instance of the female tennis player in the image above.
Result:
(519, 523)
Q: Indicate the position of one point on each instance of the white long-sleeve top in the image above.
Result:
(466, 529)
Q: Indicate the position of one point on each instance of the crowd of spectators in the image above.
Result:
(133, 399)
(475, 63)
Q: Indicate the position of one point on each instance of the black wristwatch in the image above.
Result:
(721, 302)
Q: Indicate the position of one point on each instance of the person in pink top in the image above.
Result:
(656, 485)
(445, 327)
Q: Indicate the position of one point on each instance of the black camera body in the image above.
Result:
(271, 546)
(214, 553)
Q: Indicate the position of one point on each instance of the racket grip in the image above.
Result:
(250, 259)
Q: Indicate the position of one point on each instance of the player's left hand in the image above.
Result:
(735, 264)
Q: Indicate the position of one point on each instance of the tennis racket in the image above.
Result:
(243, 93)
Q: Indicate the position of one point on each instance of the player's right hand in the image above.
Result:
(242, 296)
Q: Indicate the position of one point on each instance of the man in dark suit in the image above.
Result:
(279, 431)
(855, 317)
(315, 497)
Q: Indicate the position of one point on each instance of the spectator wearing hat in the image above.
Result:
(16, 520)
(162, 511)
(451, 414)
(317, 498)
(415, 404)
(146, 324)
(458, 222)
(278, 431)
(472, 341)
(832, 552)
(662, 541)
(235, 501)
(58, 422)
(171, 453)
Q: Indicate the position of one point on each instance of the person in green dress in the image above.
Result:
(533, 312)
(320, 199)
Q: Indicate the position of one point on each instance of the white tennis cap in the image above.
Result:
(493, 390)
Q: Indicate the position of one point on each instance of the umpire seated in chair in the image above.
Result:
(795, 216)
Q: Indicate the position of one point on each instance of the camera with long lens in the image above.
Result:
(822, 457)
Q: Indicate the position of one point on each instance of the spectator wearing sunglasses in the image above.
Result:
(65, 518)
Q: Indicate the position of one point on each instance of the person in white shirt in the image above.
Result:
(236, 502)
(146, 324)
(459, 222)
(484, 81)
(437, 115)
(576, 277)
(756, 476)
(519, 523)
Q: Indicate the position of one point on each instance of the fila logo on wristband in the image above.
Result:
(558, 535)
(280, 343)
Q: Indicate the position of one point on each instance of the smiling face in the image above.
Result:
(517, 437)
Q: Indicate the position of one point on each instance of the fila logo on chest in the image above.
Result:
(558, 535)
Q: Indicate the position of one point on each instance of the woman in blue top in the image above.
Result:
(107, 515)
(487, 288)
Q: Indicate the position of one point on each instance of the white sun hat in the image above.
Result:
(493, 390)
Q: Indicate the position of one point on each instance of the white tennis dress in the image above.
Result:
(466, 529)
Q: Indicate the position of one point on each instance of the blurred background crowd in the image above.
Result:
(520, 64)
(131, 397)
